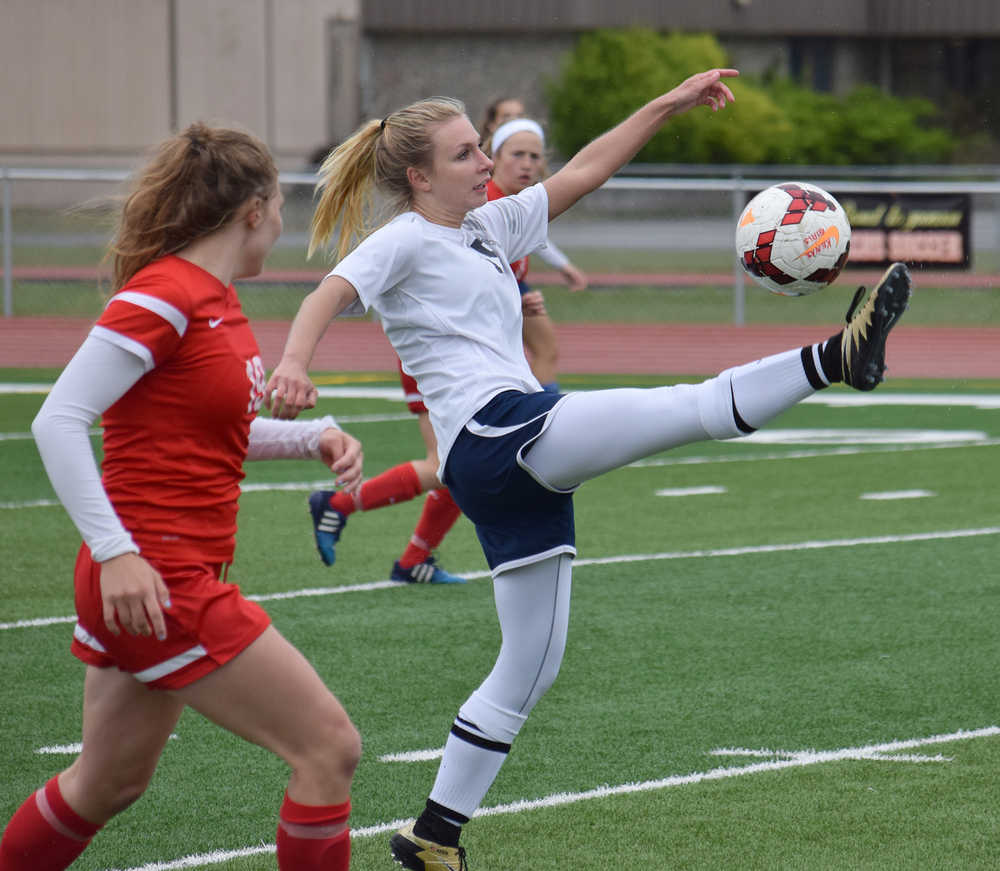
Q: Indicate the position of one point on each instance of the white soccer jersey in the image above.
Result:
(449, 302)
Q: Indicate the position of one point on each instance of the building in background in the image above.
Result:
(92, 82)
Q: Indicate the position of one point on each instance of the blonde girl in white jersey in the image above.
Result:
(438, 275)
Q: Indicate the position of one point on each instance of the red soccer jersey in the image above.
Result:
(518, 267)
(175, 443)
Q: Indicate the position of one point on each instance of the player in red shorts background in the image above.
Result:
(174, 369)
(416, 565)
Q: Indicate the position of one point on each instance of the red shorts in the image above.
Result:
(208, 623)
(414, 401)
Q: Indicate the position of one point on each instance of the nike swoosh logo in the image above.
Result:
(831, 233)
(748, 218)
(214, 322)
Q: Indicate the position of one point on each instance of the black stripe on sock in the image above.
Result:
(831, 358)
(479, 740)
(809, 365)
(446, 812)
(741, 424)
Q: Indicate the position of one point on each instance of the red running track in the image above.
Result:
(667, 349)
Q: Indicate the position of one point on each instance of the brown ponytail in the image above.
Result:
(193, 185)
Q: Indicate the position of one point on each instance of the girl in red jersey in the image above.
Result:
(173, 367)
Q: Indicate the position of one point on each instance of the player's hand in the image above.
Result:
(289, 390)
(134, 595)
(703, 89)
(342, 453)
(533, 304)
(575, 279)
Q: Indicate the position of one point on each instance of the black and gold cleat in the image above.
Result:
(418, 854)
(862, 343)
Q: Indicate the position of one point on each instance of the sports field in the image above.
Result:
(782, 654)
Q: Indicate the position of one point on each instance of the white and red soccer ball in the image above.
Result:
(793, 238)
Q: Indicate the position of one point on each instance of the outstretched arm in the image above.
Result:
(319, 439)
(595, 163)
(289, 389)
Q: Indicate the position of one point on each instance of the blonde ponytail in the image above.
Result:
(375, 158)
(346, 183)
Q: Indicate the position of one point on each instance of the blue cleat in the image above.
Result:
(328, 524)
(424, 573)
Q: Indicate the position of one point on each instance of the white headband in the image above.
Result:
(518, 125)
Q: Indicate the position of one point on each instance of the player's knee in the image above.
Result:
(550, 671)
(337, 747)
(547, 674)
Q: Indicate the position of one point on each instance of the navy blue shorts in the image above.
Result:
(523, 287)
(518, 520)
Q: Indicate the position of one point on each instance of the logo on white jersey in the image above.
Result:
(483, 247)
(256, 376)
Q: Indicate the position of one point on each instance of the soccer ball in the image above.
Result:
(793, 238)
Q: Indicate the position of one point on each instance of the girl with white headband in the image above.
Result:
(518, 151)
(438, 274)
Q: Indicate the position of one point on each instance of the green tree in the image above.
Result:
(612, 72)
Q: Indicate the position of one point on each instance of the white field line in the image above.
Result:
(785, 754)
(867, 436)
(851, 399)
(306, 486)
(749, 550)
(391, 394)
(71, 749)
(413, 756)
(31, 503)
(810, 454)
(799, 759)
(889, 495)
(341, 418)
(706, 490)
(292, 486)
(37, 622)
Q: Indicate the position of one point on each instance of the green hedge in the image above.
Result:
(612, 72)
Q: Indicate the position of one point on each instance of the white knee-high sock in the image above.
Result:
(591, 433)
(533, 607)
(744, 398)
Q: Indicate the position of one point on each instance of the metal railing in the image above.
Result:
(736, 181)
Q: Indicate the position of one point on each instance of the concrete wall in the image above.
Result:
(82, 78)
(473, 68)
(93, 82)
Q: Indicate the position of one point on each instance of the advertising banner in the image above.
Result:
(922, 230)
